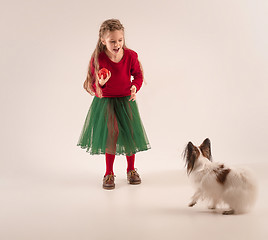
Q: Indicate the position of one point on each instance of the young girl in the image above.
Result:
(113, 125)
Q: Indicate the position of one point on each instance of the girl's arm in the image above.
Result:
(136, 72)
(133, 90)
(102, 81)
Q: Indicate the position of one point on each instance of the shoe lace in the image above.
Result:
(109, 178)
(134, 172)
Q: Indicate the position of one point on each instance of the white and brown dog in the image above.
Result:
(235, 187)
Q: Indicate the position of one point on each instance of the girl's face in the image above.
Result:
(114, 42)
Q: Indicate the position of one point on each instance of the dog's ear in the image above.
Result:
(190, 146)
(189, 150)
(191, 153)
(205, 148)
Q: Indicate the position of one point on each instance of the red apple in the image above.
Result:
(103, 72)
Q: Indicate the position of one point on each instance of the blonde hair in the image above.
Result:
(108, 25)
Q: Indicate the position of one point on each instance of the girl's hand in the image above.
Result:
(133, 90)
(103, 81)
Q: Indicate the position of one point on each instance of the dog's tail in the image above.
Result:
(241, 192)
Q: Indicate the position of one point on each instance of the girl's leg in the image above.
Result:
(113, 131)
(132, 175)
(109, 164)
(108, 179)
(130, 162)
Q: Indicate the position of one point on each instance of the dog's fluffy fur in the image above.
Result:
(218, 183)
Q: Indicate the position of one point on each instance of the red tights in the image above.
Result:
(110, 163)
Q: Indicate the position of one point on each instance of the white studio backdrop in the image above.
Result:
(205, 65)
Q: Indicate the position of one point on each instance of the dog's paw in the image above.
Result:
(212, 207)
(191, 204)
(228, 212)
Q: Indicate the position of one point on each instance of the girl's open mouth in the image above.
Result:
(116, 50)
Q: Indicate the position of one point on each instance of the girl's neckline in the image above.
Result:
(114, 61)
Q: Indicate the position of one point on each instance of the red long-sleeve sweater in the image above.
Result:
(120, 81)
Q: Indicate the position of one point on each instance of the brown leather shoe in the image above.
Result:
(133, 177)
(108, 182)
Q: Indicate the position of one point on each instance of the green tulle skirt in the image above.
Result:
(113, 126)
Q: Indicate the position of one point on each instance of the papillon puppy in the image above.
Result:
(234, 187)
